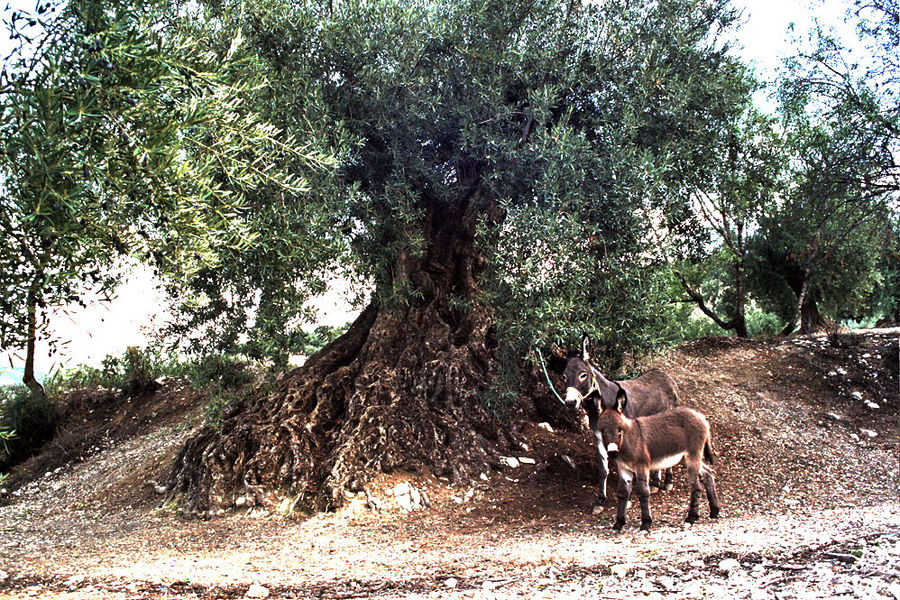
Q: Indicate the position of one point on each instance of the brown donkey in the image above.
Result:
(657, 441)
(586, 387)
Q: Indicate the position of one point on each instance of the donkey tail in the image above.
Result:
(708, 455)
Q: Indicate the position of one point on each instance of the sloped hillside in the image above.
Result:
(806, 435)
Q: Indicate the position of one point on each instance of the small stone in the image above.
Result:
(854, 437)
(525, 447)
(620, 570)
(451, 582)
(546, 426)
(241, 501)
(728, 565)
(832, 373)
(834, 416)
(510, 461)
(857, 395)
(872, 405)
(257, 591)
(526, 460)
(869, 433)
(161, 489)
(483, 477)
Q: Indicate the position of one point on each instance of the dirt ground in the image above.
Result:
(808, 467)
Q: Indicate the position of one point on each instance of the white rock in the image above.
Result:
(857, 395)
(257, 591)
(854, 437)
(728, 565)
(525, 447)
(510, 461)
(841, 371)
(483, 477)
(869, 433)
(832, 373)
(451, 582)
(620, 570)
(526, 460)
(872, 405)
(241, 501)
(546, 426)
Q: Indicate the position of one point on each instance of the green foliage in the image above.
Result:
(134, 371)
(126, 132)
(219, 372)
(841, 120)
(27, 422)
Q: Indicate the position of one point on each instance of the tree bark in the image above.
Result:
(400, 390)
(28, 377)
(738, 323)
(806, 312)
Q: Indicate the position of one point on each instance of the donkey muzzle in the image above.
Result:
(573, 397)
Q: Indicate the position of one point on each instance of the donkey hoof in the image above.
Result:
(668, 487)
(619, 524)
(645, 524)
(714, 512)
(597, 508)
(692, 518)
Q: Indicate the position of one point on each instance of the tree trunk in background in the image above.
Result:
(400, 390)
(28, 377)
(807, 311)
(740, 318)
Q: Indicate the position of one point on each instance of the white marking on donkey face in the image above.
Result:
(612, 447)
(572, 395)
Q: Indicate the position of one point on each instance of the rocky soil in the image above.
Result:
(806, 433)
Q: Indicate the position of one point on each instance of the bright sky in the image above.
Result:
(140, 308)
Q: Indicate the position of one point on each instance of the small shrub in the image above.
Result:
(32, 419)
(762, 324)
(219, 372)
(219, 406)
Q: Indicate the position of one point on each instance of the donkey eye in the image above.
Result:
(582, 377)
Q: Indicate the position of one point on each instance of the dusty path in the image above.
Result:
(810, 509)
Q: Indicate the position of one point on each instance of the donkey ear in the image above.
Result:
(621, 399)
(585, 348)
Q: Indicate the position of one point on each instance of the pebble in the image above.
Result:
(257, 591)
(510, 461)
(451, 582)
(728, 565)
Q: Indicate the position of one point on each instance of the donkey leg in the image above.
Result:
(654, 479)
(710, 484)
(696, 490)
(603, 472)
(624, 491)
(642, 487)
(668, 483)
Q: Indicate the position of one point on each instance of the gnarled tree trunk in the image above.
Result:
(400, 390)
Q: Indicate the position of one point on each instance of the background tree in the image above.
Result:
(744, 183)
(508, 165)
(123, 134)
(841, 123)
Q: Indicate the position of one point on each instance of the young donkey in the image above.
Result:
(659, 441)
(651, 393)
